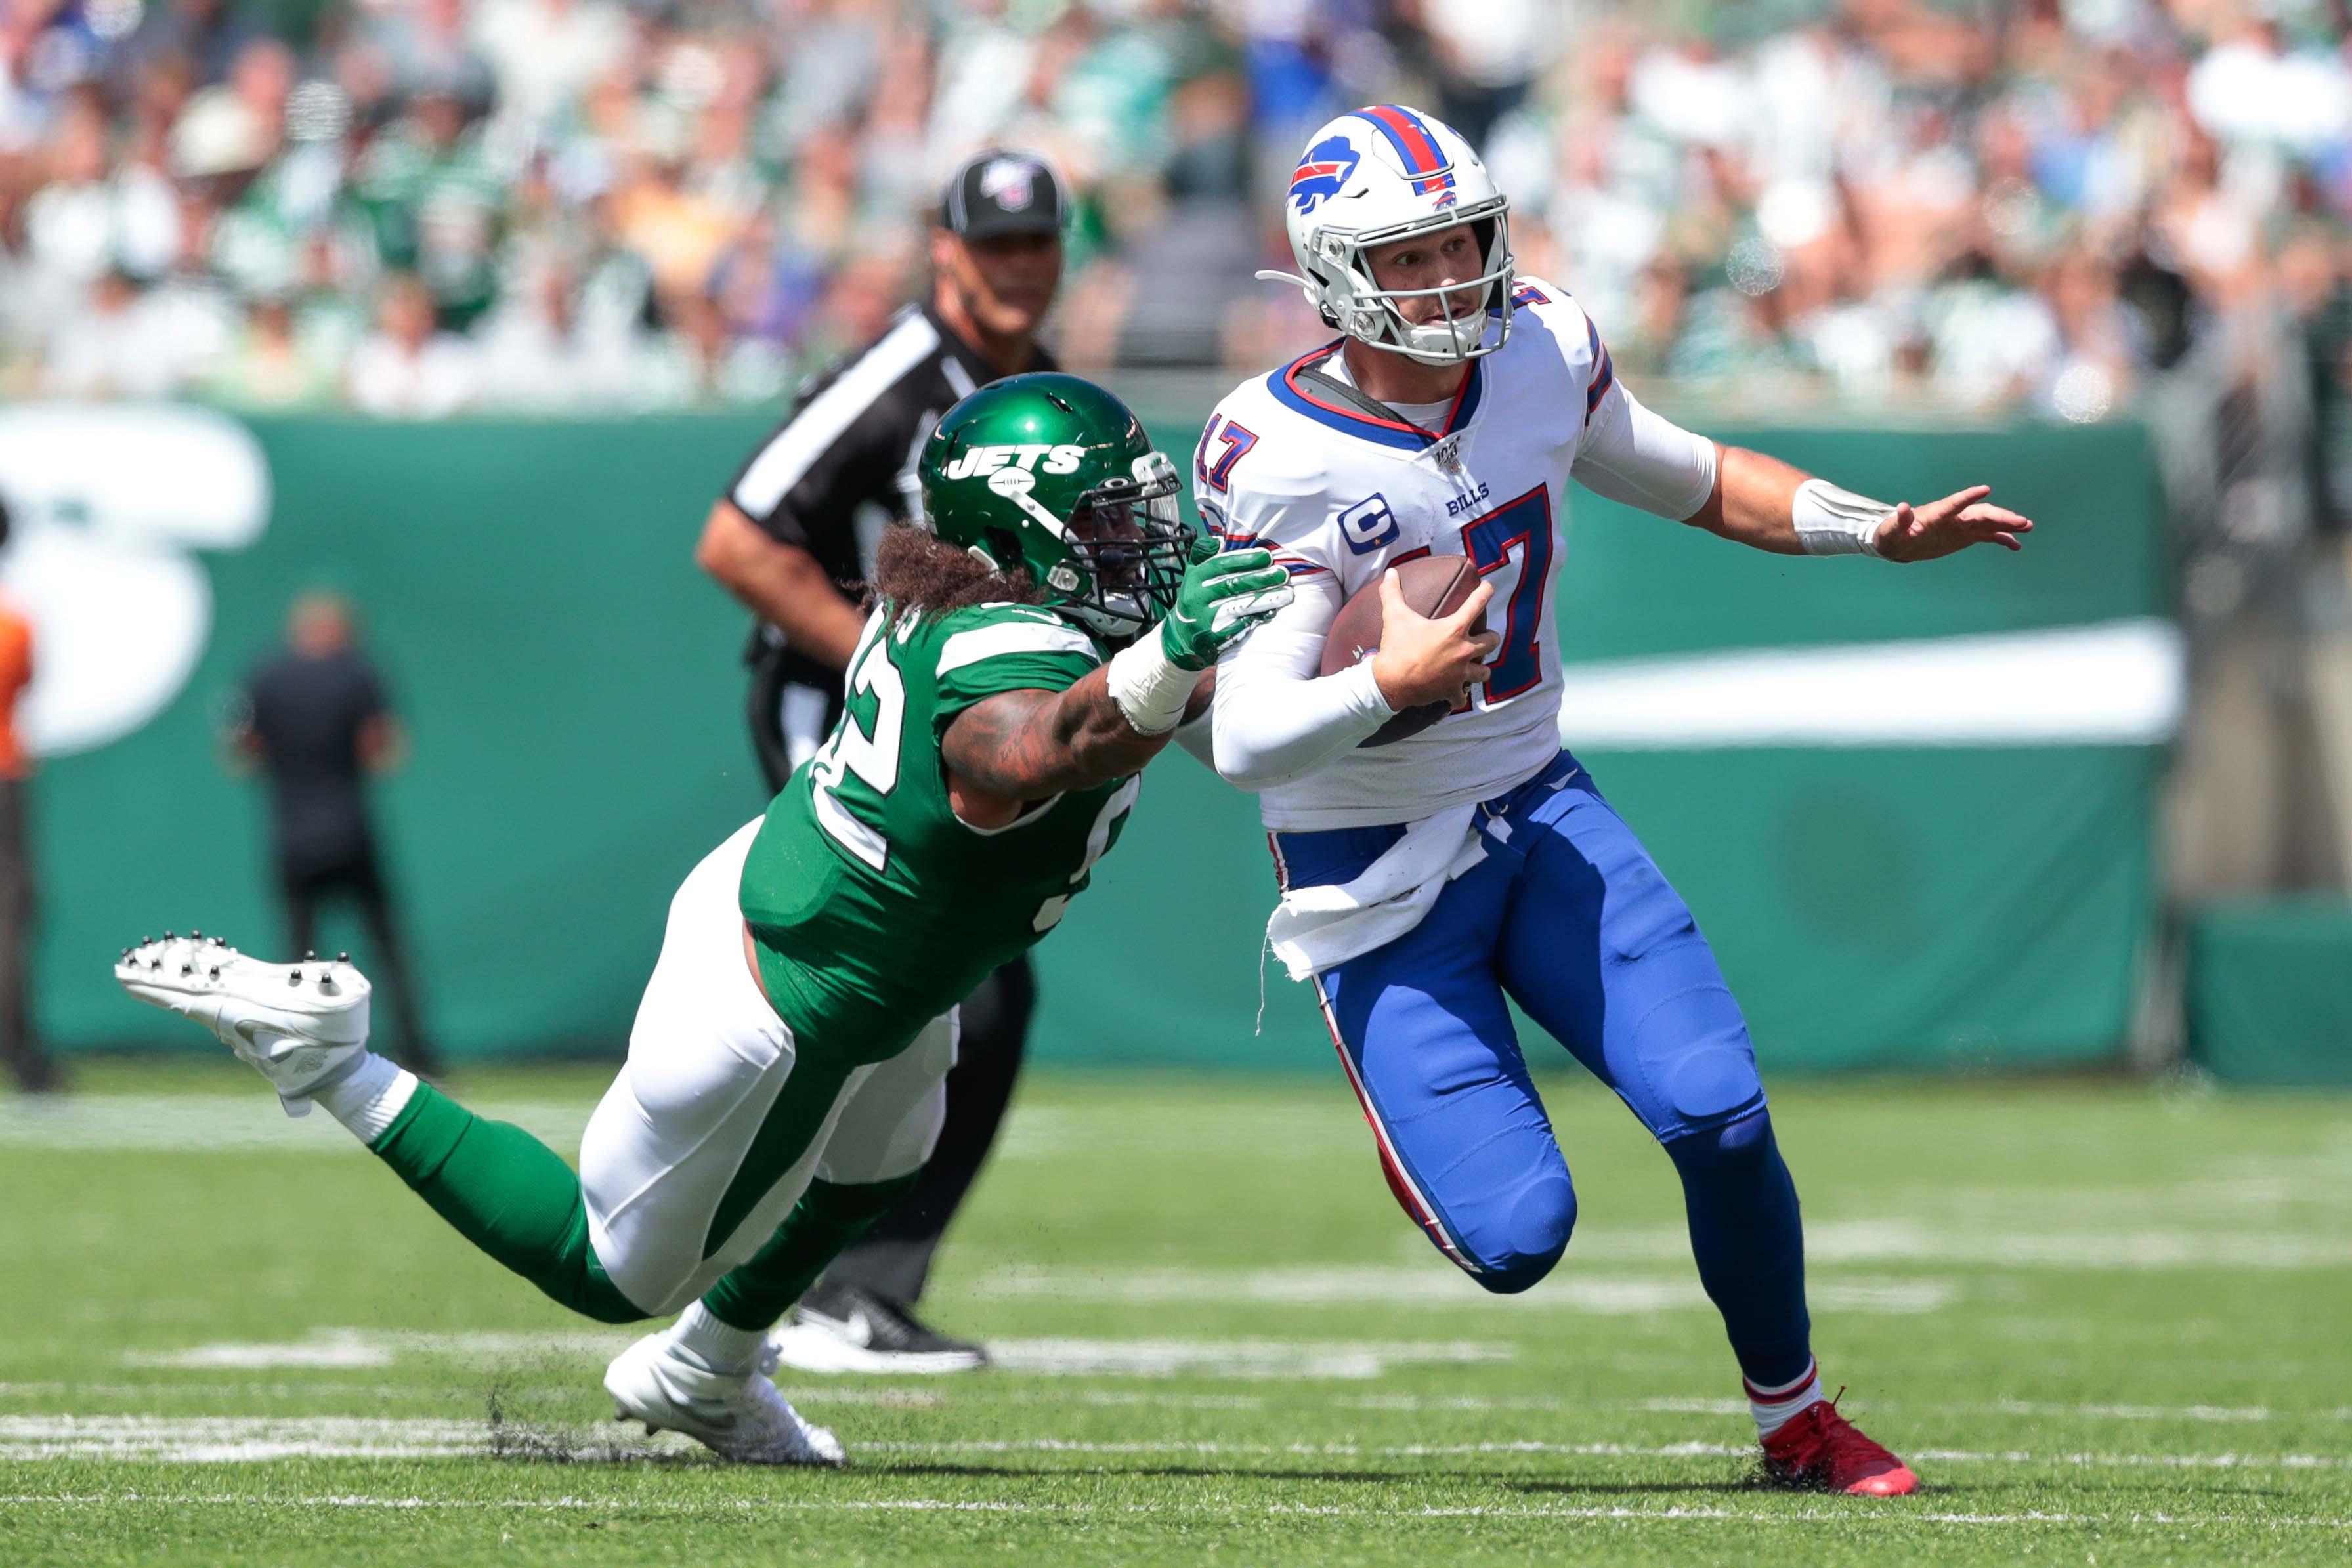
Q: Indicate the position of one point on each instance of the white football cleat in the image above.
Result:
(303, 1025)
(742, 1418)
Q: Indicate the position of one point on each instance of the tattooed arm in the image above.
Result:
(1028, 745)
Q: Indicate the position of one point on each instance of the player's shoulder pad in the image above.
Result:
(1551, 314)
(980, 631)
(1283, 456)
(1553, 328)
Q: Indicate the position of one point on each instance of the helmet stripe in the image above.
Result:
(1424, 160)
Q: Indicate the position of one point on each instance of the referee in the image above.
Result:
(798, 524)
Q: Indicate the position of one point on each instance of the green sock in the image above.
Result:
(763, 1287)
(507, 1194)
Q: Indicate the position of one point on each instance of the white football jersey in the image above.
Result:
(1340, 495)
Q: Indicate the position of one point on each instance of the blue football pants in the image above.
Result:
(1568, 916)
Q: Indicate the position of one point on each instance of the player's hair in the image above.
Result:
(915, 570)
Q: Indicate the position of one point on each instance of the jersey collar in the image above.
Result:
(1294, 390)
(975, 367)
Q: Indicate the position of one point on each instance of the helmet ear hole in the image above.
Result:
(1004, 547)
(1484, 229)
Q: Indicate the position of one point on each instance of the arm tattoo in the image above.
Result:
(1027, 744)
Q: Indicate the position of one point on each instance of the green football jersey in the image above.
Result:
(875, 907)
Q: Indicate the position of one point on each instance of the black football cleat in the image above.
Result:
(841, 1328)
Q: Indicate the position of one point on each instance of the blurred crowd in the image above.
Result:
(420, 206)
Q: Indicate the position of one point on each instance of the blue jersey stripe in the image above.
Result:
(1404, 437)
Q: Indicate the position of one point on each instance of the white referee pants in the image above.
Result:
(708, 1062)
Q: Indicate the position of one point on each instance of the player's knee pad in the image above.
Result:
(1532, 1232)
(1698, 1065)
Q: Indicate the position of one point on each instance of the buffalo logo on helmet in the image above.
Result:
(1326, 168)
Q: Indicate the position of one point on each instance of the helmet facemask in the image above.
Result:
(1370, 314)
(1128, 542)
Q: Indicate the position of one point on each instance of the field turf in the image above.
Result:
(2108, 1322)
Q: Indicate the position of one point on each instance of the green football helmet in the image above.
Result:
(1052, 474)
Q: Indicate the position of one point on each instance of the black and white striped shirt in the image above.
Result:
(840, 466)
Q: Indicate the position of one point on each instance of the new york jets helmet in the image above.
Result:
(1382, 174)
(1052, 473)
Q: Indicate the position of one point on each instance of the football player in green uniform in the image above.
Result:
(1026, 656)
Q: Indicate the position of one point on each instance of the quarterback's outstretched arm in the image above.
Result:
(1761, 501)
(1630, 454)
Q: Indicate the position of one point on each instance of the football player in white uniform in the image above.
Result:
(1427, 879)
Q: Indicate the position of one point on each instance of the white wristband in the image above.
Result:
(1148, 686)
(1831, 521)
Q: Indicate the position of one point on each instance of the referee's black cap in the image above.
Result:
(1000, 191)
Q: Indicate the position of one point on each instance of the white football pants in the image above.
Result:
(708, 1060)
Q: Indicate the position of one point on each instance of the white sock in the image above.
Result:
(1773, 1408)
(369, 1097)
(718, 1346)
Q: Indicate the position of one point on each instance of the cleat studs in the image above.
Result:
(308, 956)
(343, 957)
(187, 969)
(216, 975)
(295, 978)
(196, 935)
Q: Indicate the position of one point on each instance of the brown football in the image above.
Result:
(1433, 585)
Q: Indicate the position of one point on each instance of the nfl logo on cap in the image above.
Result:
(1000, 191)
(1007, 182)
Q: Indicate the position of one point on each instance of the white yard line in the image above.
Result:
(928, 1399)
(1432, 1285)
(1249, 1359)
(1887, 1514)
(217, 1439)
(2144, 1249)
(1257, 1359)
(2024, 1409)
(217, 1123)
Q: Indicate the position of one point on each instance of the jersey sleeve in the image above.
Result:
(1622, 450)
(1643, 459)
(1008, 648)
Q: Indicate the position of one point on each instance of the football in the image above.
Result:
(1433, 585)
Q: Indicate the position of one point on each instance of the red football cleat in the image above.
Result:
(1820, 1449)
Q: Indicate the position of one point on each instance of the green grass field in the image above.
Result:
(2108, 1323)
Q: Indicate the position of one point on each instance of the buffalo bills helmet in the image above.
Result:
(1383, 174)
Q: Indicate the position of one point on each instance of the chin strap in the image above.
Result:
(1268, 275)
